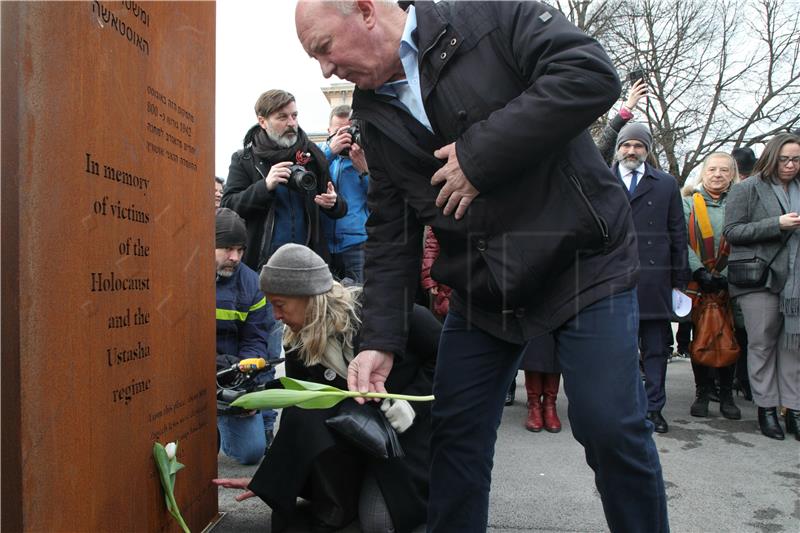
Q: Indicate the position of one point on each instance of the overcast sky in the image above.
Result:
(258, 50)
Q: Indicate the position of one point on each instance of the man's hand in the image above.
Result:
(358, 158)
(278, 174)
(368, 372)
(457, 192)
(340, 140)
(326, 199)
(235, 483)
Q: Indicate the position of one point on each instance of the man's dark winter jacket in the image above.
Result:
(246, 193)
(663, 250)
(515, 85)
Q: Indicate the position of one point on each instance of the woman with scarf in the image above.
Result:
(309, 459)
(761, 221)
(704, 211)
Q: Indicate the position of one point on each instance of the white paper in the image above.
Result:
(681, 304)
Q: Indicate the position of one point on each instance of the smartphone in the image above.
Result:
(635, 75)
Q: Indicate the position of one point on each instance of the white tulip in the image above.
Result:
(171, 448)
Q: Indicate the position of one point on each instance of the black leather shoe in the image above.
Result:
(658, 421)
(793, 422)
(768, 422)
(510, 394)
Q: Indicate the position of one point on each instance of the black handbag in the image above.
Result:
(366, 427)
(752, 272)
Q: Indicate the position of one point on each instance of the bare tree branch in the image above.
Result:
(721, 73)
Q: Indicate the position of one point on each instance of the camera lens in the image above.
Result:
(301, 179)
(307, 181)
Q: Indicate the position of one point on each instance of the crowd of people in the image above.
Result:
(455, 229)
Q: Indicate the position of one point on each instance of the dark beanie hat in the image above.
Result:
(634, 131)
(230, 228)
(295, 270)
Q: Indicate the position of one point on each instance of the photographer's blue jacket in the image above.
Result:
(350, 230)
(244, 317)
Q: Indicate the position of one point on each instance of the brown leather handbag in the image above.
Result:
(714, 343)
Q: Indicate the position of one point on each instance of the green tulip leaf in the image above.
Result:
(279, 398)
(162, 462)
(174, 466)
(298, 384)
(166, 472)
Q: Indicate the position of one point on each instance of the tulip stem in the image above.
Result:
(176, 513)
(356, 394)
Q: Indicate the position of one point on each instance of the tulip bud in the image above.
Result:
(171, 448)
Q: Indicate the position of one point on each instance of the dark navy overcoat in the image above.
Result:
(662, 240)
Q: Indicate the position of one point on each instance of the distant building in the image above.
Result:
(339, 93)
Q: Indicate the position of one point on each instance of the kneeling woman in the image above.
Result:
(309, 460)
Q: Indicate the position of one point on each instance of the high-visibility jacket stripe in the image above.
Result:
(259, 304)
(231, 314)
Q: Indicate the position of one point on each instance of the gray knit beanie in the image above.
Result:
(295, 270)
(634, 131)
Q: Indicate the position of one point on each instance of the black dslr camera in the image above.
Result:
(301, 179)
(355, 136)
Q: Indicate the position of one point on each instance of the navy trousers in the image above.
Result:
(655, 338)
(597, 351)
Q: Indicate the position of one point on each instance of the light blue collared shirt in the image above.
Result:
(408, 91)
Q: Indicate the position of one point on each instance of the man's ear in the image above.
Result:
(367, 10)
(262, 121)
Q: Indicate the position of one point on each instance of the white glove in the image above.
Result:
(399, 413)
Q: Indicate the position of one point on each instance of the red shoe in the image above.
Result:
(533, 386)
(550, 386)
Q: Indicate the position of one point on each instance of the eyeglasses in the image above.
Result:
(785, 160)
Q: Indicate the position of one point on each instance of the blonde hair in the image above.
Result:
(332, 314)
(731, 161)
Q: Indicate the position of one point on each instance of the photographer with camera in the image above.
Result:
(349, 174)
(279, 183)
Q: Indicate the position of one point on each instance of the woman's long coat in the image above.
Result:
(304, 442)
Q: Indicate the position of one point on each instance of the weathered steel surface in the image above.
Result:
(108, 321)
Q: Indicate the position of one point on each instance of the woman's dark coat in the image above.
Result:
(539, 355)
(304, 441)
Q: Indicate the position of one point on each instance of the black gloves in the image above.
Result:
(710, 283)
(705, 279)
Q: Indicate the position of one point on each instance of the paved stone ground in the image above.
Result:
(721, 475)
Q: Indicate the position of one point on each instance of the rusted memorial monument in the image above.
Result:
(107, 270)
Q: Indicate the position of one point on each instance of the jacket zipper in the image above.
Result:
(268, 223)
(598, 220)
